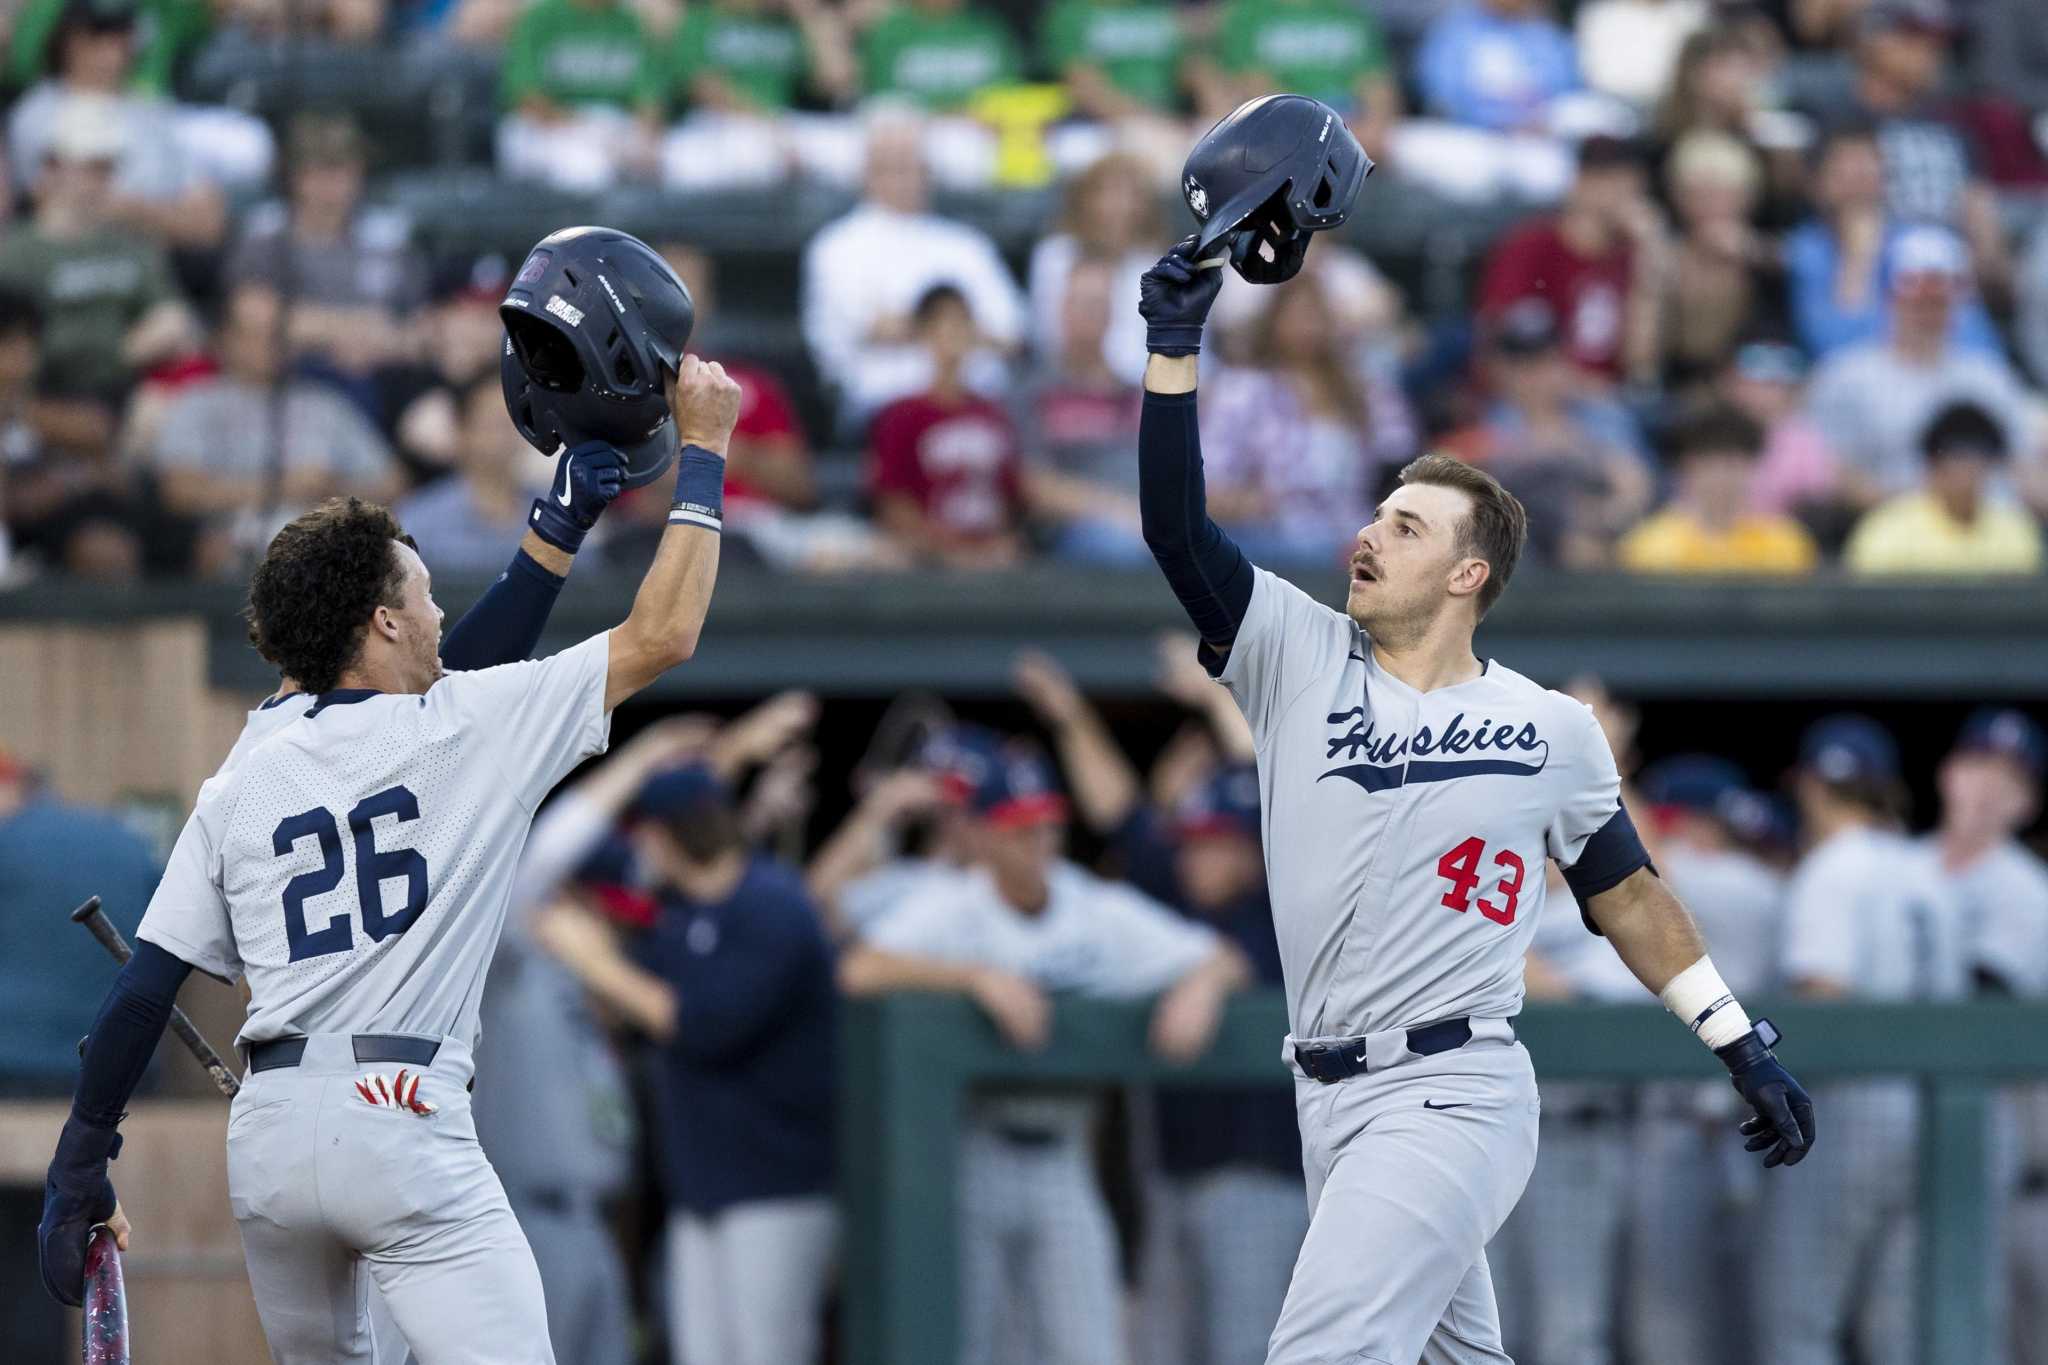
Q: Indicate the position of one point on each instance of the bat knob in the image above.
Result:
(84, 912)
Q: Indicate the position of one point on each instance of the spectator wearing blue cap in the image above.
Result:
(1865, 919)
(1691, 1214)
(1038, 1258)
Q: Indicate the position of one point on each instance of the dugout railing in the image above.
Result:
(907, 1062)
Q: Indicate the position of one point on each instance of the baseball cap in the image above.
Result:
(1927, 250)
(960, 756)
(471, 279)
(1226, 804)
(678, 792)
(1526, 327)
(1849, 748)
(2009, 733)
(1018, 790)
(1705, 784)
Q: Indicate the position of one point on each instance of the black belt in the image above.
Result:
(1340, 1061)
(369, 1047)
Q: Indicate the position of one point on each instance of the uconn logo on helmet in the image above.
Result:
(1458, 750)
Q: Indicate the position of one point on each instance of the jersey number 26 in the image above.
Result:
(373, 868)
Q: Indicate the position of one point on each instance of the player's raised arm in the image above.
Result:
(668, 612)
(1206, 570)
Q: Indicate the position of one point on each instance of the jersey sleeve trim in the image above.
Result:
(212, 964)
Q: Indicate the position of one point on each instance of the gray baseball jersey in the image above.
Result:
(1405, 832)
(1865, 909)
(2002, 899)
(390, 928)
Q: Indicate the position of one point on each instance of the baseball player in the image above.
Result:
(350, 1146)
(1039, 1272)
(1411, 796)
(1990, 787)
(1692, 1198)
(1865, 918)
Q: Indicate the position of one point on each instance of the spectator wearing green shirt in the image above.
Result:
(758, 56)
(1119, 59)
(582, 86)
(159, 189)
(938, 53)
(1327, 49)
(110, 308)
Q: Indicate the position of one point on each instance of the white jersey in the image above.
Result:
(2002, 898)
(1093, 937)
(263, 722)
(1865, 911)
(356, 863)
(1738, 902)
(1405, 832)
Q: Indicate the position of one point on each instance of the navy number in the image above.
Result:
(334, 938)
(373, 869)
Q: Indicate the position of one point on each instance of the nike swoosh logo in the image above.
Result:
(563, 496)
(1360, 1059)
(1462, 1105)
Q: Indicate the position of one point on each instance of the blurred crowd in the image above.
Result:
(1754, 286)
(691, 910)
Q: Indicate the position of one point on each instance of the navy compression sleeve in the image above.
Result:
(505, 624)
(1611, 856)
(1206, 570)
(125, 1034)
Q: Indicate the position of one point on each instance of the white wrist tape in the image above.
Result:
(1703, 1002)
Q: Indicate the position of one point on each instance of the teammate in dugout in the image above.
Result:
(1411, 792)
(363, 1002)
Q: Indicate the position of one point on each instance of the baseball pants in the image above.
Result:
(1843, 1235)
(1220, 1248)
(1403, 1199)
(1692, 1215)
(582, 1277)
(1040, 1282)
(1557, 1260)
(332, 1192)
(747, 1285)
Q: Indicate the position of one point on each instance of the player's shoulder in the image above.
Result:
(1570, 716)
(1296, 610)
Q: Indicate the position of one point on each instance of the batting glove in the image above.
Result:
(1783, 1117)
(76, 1195)
(1174, 298)
(590, 476)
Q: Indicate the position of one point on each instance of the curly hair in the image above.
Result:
(310, 599)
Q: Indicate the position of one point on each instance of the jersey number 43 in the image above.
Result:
(1461, 868)
(373, 869)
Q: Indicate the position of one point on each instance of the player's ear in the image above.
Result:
(1468, 576)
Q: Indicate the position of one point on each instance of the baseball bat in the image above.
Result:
(96, 922)
(106, 1301)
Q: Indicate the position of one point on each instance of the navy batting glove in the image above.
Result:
(76, 1195)
(1782, 1125)
(1174, 298)
(590, 476)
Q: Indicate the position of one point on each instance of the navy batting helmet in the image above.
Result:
(1277, 169)
(595, 322)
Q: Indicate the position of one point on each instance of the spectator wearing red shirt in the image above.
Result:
(1599, 264)
(944, 469)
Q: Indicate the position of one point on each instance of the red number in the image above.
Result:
(1460, 867)
(1510, 886)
